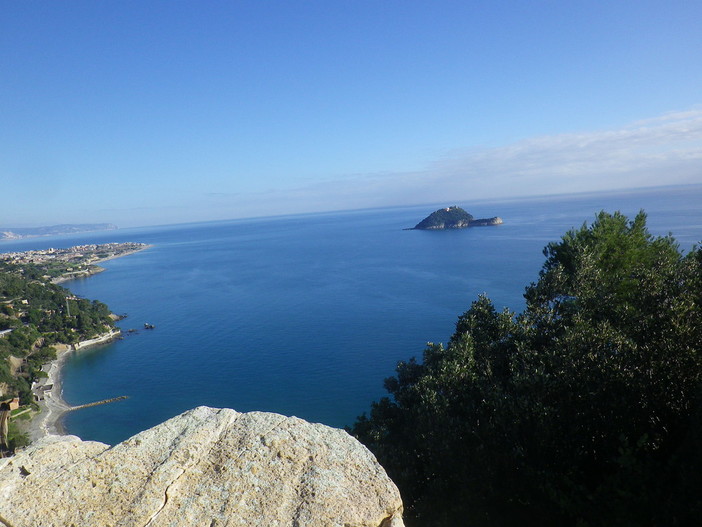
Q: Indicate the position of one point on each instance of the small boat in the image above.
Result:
(148, 326)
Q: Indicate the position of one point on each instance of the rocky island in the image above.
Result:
(454, 218)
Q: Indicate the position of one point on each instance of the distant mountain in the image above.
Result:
(13, 233)
(454, 218)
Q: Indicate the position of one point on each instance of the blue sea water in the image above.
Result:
(306, 315)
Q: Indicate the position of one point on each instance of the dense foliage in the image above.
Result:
(40, 314)
(586, 409)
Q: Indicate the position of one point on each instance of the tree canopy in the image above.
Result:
(586, 409)
(40, 314)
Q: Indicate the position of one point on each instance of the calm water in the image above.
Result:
(306, 315)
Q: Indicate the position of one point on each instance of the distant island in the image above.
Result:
(15, 233)
(454, 218)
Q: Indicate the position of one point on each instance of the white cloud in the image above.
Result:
(592, 161)
(664, 150)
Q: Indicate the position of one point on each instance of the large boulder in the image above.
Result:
(207, 467)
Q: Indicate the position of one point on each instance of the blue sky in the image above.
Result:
(153, 112)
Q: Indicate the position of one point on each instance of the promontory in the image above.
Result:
(454, 218)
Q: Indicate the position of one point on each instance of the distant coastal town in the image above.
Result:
(60, 265)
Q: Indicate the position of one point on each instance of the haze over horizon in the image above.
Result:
(143, 113)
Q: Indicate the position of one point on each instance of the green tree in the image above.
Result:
(585, 409)
(40, 317)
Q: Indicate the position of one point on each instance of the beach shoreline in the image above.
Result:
(52, 407)
(48, 391)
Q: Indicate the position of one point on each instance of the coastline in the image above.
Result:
(126, 253)
(78, 274)
(94, 267)
(47, 421)
(48, 391)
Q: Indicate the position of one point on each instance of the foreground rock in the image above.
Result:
(207, 467)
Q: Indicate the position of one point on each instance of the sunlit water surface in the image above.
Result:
(306, 315)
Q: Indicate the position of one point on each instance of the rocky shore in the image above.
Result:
(84, 273)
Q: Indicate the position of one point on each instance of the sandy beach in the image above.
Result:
(48, 420)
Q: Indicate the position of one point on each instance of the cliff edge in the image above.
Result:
(211, 467)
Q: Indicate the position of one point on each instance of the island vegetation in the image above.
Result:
(453, 218)
(585, 409)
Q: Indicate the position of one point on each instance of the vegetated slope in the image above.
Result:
(35, 314)
(586, 409)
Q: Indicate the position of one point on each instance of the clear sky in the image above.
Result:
(151, 112)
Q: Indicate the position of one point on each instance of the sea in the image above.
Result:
(306, 315)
